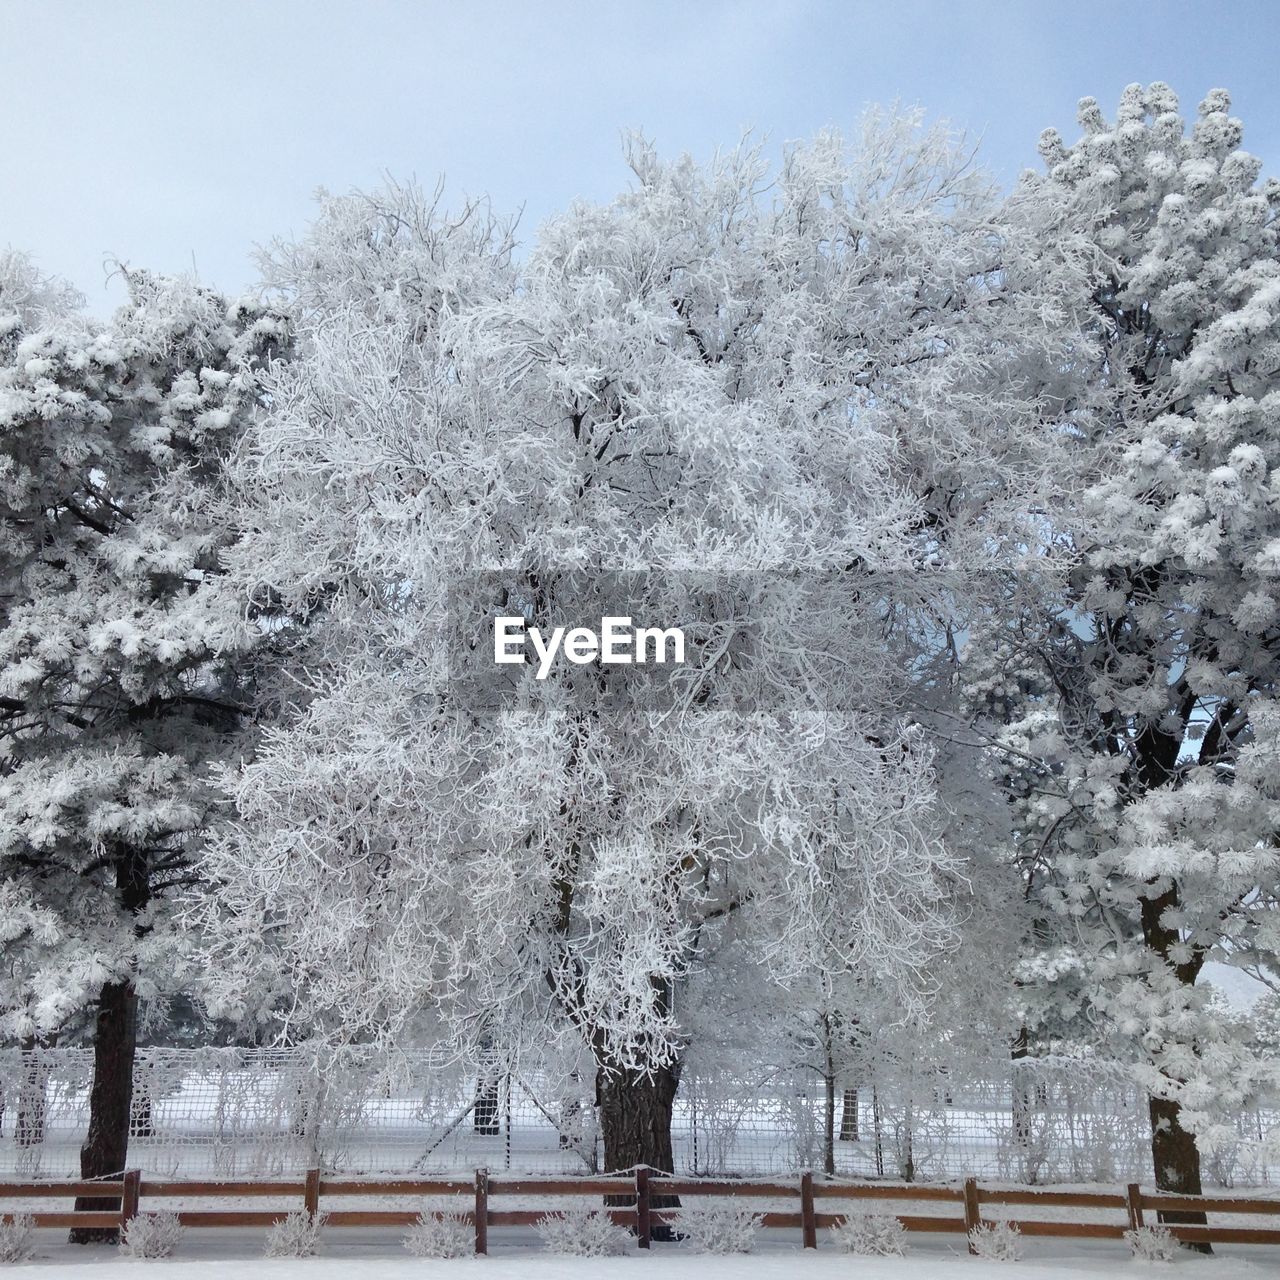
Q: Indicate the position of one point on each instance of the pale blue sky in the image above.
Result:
(164, 133)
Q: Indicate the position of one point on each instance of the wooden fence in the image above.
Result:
(633, 1201)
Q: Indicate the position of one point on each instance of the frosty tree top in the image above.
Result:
(693, 378)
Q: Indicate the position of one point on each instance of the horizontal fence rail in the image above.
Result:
(629, 1200)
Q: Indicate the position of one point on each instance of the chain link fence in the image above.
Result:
(260, 1112)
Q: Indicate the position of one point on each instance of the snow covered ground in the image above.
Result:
(364, 1255)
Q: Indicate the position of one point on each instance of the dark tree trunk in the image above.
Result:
(1173, 1150)
(1177, 1163)
(828, 1026)
(879, 1132)
(635, 1124)
(115, 1040)
(829, 1128)
(110, 1102)
(635, 1117)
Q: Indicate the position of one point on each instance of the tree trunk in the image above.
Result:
(635, 1117)
(906, 1152)
(115, 1040)
(635, 1124)
(110, 1102)
(827, 1027)
(879, 1132)
(1177, 1163)
(1021, 1109)
(829, 1128)
(1173, 1150)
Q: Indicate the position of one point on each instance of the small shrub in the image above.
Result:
(719, 1226)
(18, 1238)
(870, 1233)
(586, 1233)
(440, 1234)
(1152, 1244)
(151, 1235)
(297, 1236)
(996, 1241)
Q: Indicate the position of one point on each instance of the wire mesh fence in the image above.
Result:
(260, 1112)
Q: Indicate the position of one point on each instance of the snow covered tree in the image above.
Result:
(117, 685)
(1139, 690)
(852, 1030)
(767, 413)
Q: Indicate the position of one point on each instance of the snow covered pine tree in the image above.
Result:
(116, 687)
(1139, 694)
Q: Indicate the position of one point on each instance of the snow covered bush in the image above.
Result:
(1152, 1244)
(438, 1234)
(720, 1226)
(585, 1233)
(151, 1235)
(297, 1236)
(870, 1233)
(996, 1241)
(17, 1238)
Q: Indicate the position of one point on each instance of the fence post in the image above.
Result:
(1133, 1202)
(482, 1210)
(129, 1197)
(972, 1214)
(644, 1222)
(311, 1193)
(808, 1225)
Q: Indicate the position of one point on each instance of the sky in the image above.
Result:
(179, 136)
